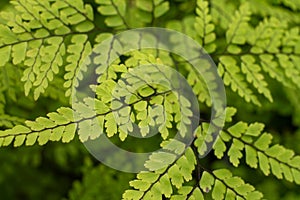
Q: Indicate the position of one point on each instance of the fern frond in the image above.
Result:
(115, 12)
(146, 96)
(166, 172)
(60, 125)
(254, 76)
(52, 57)
(258, 151)
(150, 10)
(228, 66)
(232, 76)
(236, 33)
(226, 186)
(188, 26)
(36, 36)
(93, 117)
(205, 27)
(79, 51)
(221, 12)
(199, 86)
(125, 93)
(57, 126)
(168, 177)
(268, 38)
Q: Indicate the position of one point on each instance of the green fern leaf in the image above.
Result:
(78, 60)
(58, 125)
(204, 27)
(254, 76)
(40, 43)
(276, 159)
(232, 77)
(116, 11)
(149, 11)
(167, 175)
(238, 26)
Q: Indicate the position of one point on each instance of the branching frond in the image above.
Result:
(166, 172)
(115, 12)
(36, 37)
(273, 50)
(204, 26)
(258, 151)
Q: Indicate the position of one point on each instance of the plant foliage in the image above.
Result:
(46, 48)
